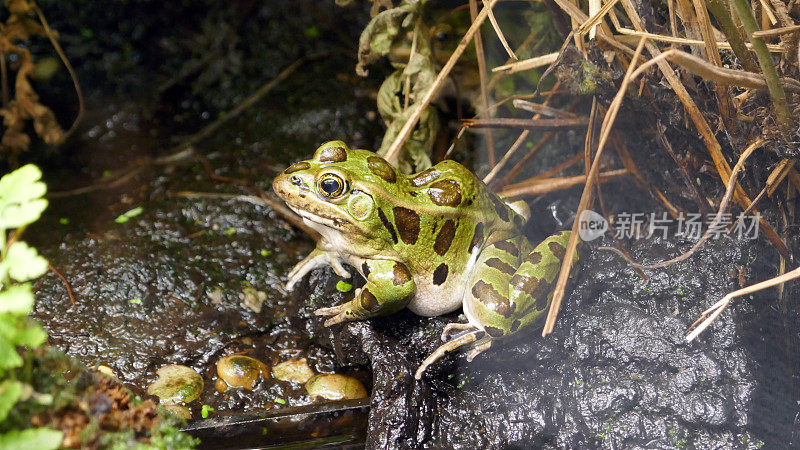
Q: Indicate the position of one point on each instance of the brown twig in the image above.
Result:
(497, 30)
(66, 283)
(481, 57)
(717, 308)
(57, 47)
(422, 104)
(516, 145)
(540, 186)
(586, 196)
(702, 68)
(541, 124)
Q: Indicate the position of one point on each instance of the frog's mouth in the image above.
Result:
(319, 218)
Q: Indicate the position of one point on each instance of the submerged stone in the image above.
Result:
(176, 384)
(333, 386)
(294, 370)
(240, 371)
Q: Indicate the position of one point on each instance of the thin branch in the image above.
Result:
(481, 57)
(629, 36)
(497, 30)
(777, 31)
(717, 308)
(543, 186)
(75, 83)
(422, 104)
(66, 283)
(542, 124)
(586, 196)
(703, 68)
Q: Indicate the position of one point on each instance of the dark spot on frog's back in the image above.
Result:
(508, 247)
(387, 225)
(298, 166)
(491, 299)
(445, 237)
(440, 274)
(365, 269)
(535, 258)
(445, 193)
(558, 250)
(424, 177)
(500, 208)
(333, 154)
(477, 237)
(382, 169)
(400, 275)
(503, 267)
(407, 223)
(368, 300)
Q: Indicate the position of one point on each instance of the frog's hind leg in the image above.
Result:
(534, 281)
(439, 353)
(455, 329)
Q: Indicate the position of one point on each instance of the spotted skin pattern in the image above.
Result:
(432, 242)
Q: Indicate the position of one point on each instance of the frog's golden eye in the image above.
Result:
(331, 185)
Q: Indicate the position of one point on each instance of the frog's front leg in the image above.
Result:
(389, 288)
(318, 257)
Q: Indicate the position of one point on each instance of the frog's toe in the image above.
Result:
(338, 268)
(337, 319)
(331, 311)
(452, 329)
(445, 348)
(479, 348)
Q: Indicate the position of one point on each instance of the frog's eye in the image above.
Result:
(331, 185)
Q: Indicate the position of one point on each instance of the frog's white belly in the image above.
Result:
(432, 300)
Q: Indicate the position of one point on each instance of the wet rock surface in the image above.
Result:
(616, 373)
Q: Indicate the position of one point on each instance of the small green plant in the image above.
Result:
(343, 286)
(205, 411)
(21, 203)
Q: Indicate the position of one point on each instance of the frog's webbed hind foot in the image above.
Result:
(445, 348)
(455, 328)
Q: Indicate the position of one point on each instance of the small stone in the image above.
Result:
(215, 296)
(176, 384)
(179, 411)
(252, 299)
(294, 370)
(335, 387)
(105, 370)
(241, 371)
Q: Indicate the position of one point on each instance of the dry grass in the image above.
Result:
(722, 59)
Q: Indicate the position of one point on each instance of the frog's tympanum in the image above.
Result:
(430, 242)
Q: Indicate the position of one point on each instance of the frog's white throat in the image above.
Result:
(326, 227)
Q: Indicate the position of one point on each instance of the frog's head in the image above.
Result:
(336, 191)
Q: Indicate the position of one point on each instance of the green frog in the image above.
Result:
(430, 242)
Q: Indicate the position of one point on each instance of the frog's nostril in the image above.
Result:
(295, 180)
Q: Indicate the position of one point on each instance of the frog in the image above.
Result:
(431, 242)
